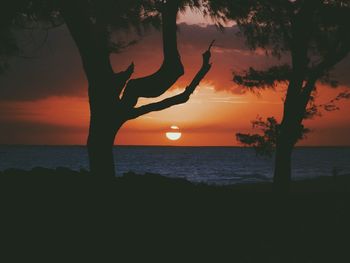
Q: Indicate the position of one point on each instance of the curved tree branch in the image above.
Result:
(177, 99)
(156, 84)
(122, 77)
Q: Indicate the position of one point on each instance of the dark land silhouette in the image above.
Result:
(59, 214)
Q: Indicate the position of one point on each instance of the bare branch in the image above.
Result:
(171, 69)
(122, 77)
(180, 98)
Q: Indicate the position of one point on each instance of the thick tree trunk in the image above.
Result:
(100, 147)
(288, 134)
(282, 173)
(105, 122)
(91, 41)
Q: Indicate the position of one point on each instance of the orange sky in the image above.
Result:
(45, 101)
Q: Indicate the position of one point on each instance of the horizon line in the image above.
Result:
(175, 146)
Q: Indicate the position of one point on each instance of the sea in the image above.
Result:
(211, 165)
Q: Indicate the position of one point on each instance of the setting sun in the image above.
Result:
(174, 134)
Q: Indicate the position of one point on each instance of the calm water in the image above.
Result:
(220, 165)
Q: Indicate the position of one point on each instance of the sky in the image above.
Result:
(43, 100)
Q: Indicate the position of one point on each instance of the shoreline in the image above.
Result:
(332, 183)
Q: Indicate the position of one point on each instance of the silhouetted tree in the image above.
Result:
(113, 96)
(315, 33)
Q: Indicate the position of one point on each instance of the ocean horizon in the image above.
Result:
(208, 164)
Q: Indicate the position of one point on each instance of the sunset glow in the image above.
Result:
(56, 111)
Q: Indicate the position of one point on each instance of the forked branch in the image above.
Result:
(171, 69)
(122, 77)
(180, 98)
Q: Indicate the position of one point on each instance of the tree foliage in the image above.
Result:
(313, 36)
(264, 142)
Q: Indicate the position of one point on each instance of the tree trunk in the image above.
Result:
(92, 41)
(100, 143)
(288, 134)
(282, 173)
(105, 122)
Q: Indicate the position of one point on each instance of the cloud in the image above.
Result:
(25, 132)
(58, 70)
(198, 128)
(341, 72)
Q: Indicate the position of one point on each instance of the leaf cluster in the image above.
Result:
(264, 142)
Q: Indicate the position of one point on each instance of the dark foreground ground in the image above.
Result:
(65, 216)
